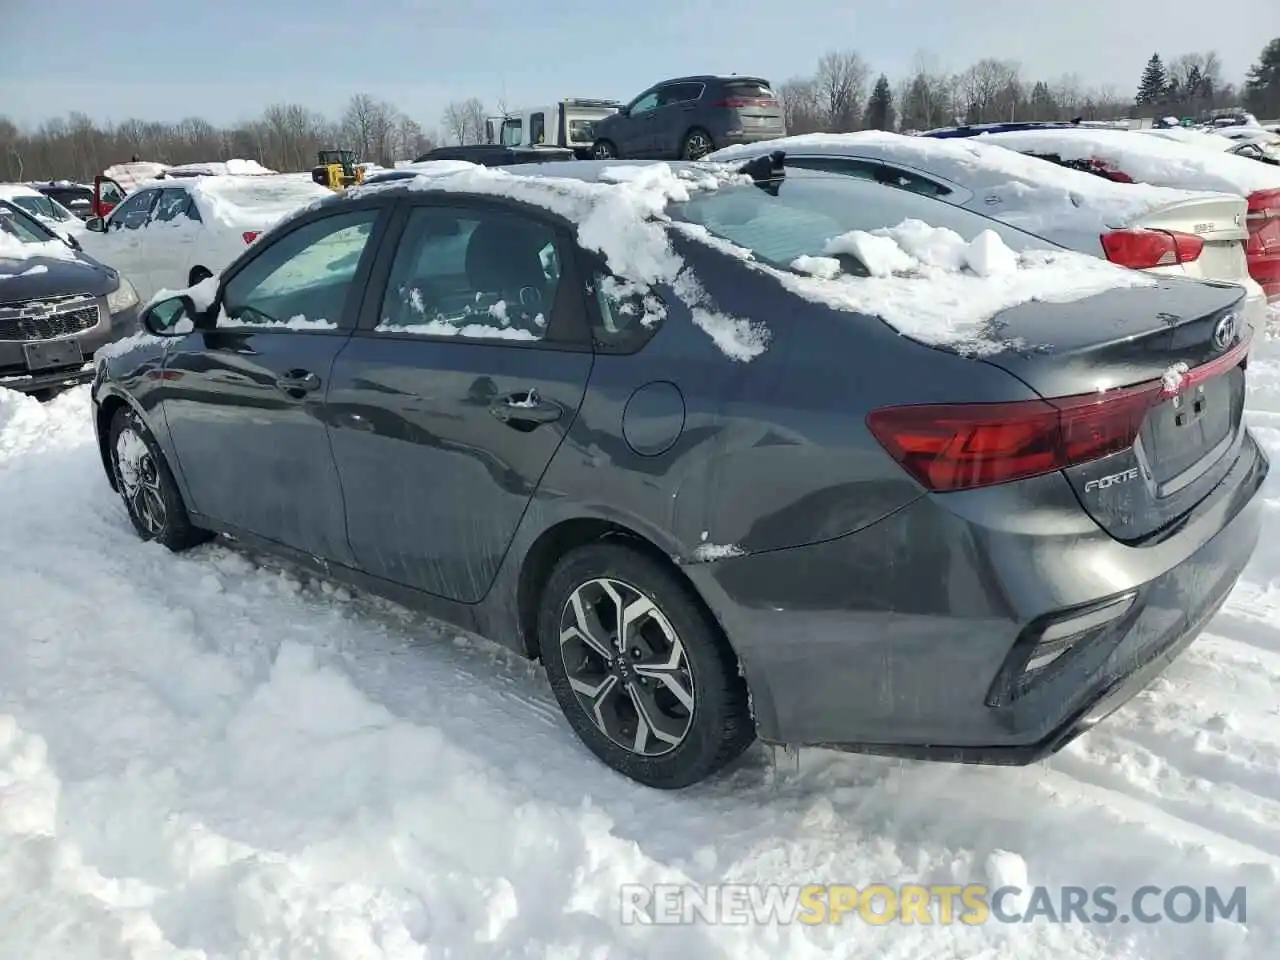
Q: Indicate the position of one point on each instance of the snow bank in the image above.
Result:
(1148, 159)
(1026, 192)
(207, 756)
(932, 285)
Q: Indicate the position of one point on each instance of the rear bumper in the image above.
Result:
(15, 376)
(892, 640)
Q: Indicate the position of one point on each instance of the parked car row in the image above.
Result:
(809, 456)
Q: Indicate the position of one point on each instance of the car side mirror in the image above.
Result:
(172, 317)
(96, 225)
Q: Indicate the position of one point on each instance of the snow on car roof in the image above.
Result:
(9, 190)
(939, 288)
(1195, 138)
(1153, 160)
(234, 167)
(1032, 194)
(247, 202)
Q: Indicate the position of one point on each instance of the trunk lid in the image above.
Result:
(1220, 222)
(1173, 359)
(755, 103)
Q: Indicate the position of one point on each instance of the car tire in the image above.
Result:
(198, 275)
(604, 150)
(697, 144)
(146, 485)
(678, 658)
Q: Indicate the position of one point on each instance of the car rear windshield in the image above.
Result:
(810, 210)
(749, 88)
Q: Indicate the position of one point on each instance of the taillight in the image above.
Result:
(738, 103)
(251, 235)
(1263, 246)
(967, 445)
(1142, 249)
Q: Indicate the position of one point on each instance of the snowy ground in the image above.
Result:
(203, 757)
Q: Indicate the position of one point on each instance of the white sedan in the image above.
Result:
(1164, 162)
(172, 233)
(1199, 234)
(45, 209)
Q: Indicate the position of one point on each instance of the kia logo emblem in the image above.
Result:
(1224, 332)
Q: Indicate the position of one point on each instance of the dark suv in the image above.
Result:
(687, 118)
(76, 197)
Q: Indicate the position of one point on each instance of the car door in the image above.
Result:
(451, 398)
(636, 132)
(120, 244)
(245, 398)
(171, 235)
(675, 114)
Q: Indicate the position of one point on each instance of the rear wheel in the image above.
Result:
(697, 144)
(198, 275)
(147, 487)
(604, 150)
(641, 671)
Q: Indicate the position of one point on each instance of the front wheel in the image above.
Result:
(604, 150)
(642, 673)
(146, 485)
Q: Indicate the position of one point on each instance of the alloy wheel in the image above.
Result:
(697, 145)
(627, 667)
(139, 479)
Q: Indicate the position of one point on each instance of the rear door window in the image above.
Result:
(680, 93)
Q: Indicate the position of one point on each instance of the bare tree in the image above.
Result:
(800, 110)
(841, 84)
(463, 120)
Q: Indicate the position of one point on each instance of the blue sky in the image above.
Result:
(225, 60)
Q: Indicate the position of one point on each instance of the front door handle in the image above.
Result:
(525, 410)
(298, 381)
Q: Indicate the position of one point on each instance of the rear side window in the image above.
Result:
(472, 274)
(681, 93)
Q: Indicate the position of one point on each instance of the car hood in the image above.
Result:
(35, 278)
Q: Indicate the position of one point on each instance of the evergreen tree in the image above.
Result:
(1262, 83)
(1154, 81)
(879, 114)
(1043, 106)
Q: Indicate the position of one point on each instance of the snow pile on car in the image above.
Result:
(248, 203)
(1021, 191)
(932, 285)
(1147, 159)
(15, 254)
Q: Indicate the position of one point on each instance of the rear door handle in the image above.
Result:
(296, 381)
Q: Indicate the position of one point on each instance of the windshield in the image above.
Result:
(810, 210)
(16, 225)
(37, 205)
(580, 131)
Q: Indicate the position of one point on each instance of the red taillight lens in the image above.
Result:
(1142, 249)
(962, 446)
(1263, 246)
(740, 102)
(251, 235)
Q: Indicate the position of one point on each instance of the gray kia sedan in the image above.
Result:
(644, 422)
